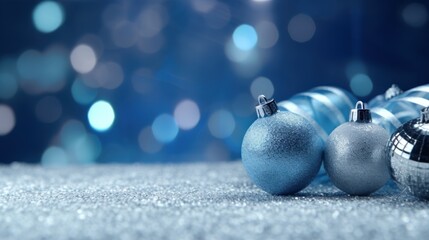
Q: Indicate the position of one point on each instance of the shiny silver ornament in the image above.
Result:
(409, 152)
(281, 151)
(355, 154)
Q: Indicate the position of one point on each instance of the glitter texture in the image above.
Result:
(198, 201)
(282, 153)
(356, 158)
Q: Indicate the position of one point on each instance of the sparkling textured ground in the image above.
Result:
(199, 201)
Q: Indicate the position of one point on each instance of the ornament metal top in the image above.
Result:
(409, 152)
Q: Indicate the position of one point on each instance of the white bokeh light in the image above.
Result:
(301, 28)
(7, 120)
(262, 85)
(221, 124)
(187, 114)
(83, 58)
(101, 116)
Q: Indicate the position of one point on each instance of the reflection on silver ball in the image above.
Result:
(282, 153)
(409, 151)
(356, 159)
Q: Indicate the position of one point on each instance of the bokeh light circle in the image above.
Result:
(54, 156)
(187, 114)
(262, 85)
(245, 37)
(81, 93)
(83, 58)
(415, 14)
(221, 124)
(147, 141)
(268, 34)
(8, 85)
(7, 119)
(164, 128)
(361, 85)
(301, 28)
(48, 16)
(101, 116)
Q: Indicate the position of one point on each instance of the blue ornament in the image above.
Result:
(281, 151)
(355, 154)
(401, 108)
(324, 107)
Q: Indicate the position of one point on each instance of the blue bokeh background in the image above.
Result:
(181, 76)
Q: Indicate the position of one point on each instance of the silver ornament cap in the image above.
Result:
(360, 113)
(392, 92)
(409, 152)
(265, 107)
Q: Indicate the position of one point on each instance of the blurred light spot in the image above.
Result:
(151, 20)
(94, 42)
(361, 85)
(7, 120)
(48, 109)
(221, 124)
(262, 85)
(81, 93)
(218, 17)
(8, 85)
(83, 58)
(114, 14)
(84, 149)
(101, 116)
(54, 156)
(301, 28)
(125, 34)
(45, 72)
(203, 6)
(355, 67)
(48, 16)
(415, 14)
(151, 45)
(164, 128)
(245, 37)
(142, 80)
(71, 131)
(268, 34)
(187, 114)
(107, 75)
(147, 141)
(237, 55)
(244, 105)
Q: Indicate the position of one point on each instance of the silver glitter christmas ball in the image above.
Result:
(355, 154)
(409, 152)
(281, 151)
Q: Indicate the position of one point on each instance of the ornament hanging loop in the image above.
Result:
(360, 113)
(266, 107)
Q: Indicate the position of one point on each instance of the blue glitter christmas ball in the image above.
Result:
(281, 151)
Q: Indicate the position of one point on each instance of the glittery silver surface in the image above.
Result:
(282, 153)
(356, 158)
(198, 201)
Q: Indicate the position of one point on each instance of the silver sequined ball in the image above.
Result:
(409, 152)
